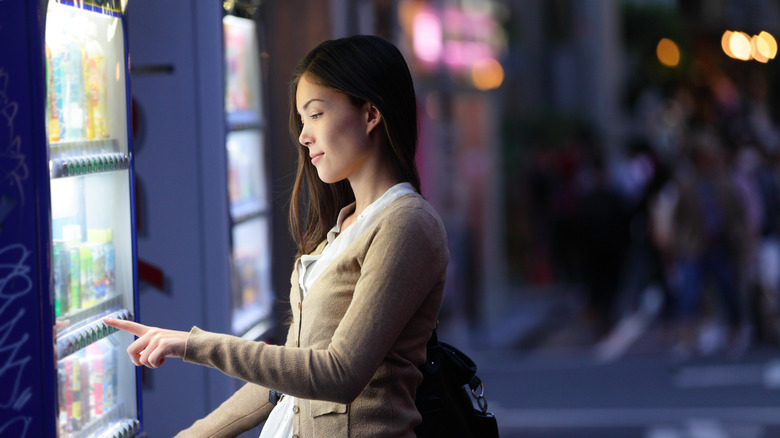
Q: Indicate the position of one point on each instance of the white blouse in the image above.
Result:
(280, 421)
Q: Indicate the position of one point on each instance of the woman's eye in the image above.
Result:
(315, 116)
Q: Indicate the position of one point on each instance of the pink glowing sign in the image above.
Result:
(427, 37)
(460, 40)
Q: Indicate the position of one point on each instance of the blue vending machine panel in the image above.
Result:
(28, 393)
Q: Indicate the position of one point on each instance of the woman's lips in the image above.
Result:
(316, 157)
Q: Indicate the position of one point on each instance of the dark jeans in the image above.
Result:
(715, 267)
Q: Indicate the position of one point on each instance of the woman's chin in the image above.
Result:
(328, 179)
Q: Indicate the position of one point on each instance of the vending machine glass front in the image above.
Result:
(92, 236)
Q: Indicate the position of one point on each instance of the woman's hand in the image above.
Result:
(153, 344)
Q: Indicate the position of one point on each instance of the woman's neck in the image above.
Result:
(374, 179)
(366, 194)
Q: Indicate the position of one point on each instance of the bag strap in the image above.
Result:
(465, 365)
(434, 339)
(475, 383)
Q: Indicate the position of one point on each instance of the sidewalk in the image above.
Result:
(525, 320)
(554, 318)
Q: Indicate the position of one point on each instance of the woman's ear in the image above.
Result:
(373, 117)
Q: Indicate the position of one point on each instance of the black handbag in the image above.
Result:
(449, 383)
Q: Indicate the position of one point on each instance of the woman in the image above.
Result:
(365, 293)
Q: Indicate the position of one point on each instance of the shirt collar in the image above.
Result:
(375, 207)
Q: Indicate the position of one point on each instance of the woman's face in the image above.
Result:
(335, 131)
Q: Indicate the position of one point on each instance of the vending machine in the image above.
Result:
(67, 241)
(203, 204)
(252, 296)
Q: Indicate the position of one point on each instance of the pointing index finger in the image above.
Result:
(128, 326)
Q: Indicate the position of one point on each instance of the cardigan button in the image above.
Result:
(297, 343)
(296, 436)
(300, 306)
(295, 409)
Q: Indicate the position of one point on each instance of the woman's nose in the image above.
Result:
(304, 139)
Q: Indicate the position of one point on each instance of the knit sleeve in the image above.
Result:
(406, 258)
(245, 409)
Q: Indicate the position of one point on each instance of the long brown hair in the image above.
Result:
(367, 69)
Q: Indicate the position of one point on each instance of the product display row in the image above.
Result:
(84, 271)
(88, 394)
(76, 69)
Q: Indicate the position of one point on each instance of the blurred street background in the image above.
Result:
(609, 175)
(615, 225)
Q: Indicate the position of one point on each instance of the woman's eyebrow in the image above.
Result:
(310, 101)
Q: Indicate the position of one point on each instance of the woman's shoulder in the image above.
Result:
(412, 210)
(410, 226)
(410, 205)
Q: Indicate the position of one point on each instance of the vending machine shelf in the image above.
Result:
(111, 301)
(72, 148)
(242, 211)
(85, 333)
(88, 164)
(109, 425)
(242, 120)
(124, 428)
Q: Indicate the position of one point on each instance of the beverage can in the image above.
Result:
(75, 414)
(110, 263)
(97, 376)
(73, 89)
(98, 269)
(52, 110)
(56, 80)
(61, 280)
(72, 236)
(62, 387)
(111, 386)
(68, 392)
(104, 257)
(87, 289)
(98, 380)
(95, 86)
(86, 393)
(74, 277)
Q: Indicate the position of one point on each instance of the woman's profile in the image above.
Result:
(368, 280)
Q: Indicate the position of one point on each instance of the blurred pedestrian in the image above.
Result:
(645, 178)
(745, 170)
(603, 235)
(708, 226)
(768, 252)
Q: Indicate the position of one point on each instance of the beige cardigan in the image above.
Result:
(352, 352)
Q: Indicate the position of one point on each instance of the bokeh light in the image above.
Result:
(759, 49)
(487, 74)
(725, 43)
(427, 37)
(668, 53)
(739, 43)
(770, 43)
